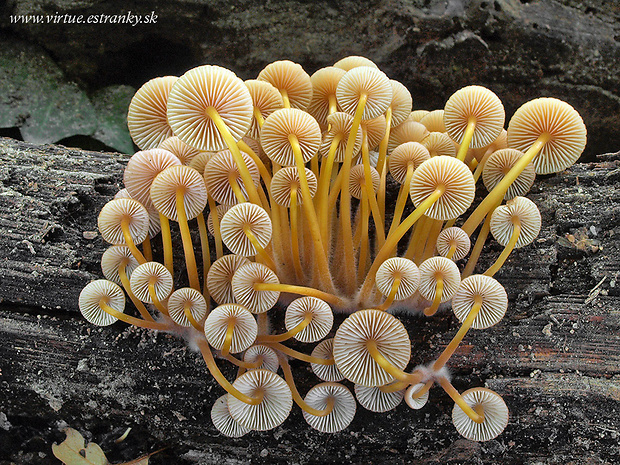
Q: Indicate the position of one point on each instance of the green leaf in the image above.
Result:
(36, 97)
(111, 105)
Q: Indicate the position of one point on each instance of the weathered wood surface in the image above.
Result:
(555, 358)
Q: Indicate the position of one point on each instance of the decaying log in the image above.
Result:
(555, 358)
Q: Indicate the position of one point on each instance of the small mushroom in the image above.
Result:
(187, 307)
(230, 328)
(220, 276)
(343, 408)
(224, 422)
(453, 243)
(375, 400)
(324, 350)
(490, 405)
(291, 80)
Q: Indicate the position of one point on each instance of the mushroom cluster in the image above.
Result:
(281, 177)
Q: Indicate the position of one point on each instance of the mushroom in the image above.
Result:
(486, 403)
(397, 279)
(324, 351)
(417, 115)
(453, 243)
(323, 103)
(439, 281)
(326, 395)
(244, 283)
(499, 164)
(354, 61)
(152, 283)
(409, 131)
(375, 400)
(309, 318)
(220, 276)
(230, 328)
(147, 119)
(264, 357)
(185, 153)
(124, 222)
(515, 224)
(291, 80)
(223, 422)
(223, 178)
(416, 396)
(434, 121)
(266, 99)
(187, 307)
(474, 117)
(438, 143)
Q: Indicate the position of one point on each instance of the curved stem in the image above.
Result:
(498, 192)
(125, 281)
(301, 290)
(262, 169)
(230, 330)
(166, 239)
(234, 149)
(219, 377)
(397, 373)
(130, 243)
(333, 106)
(504, 255)
(401, 200)
(430, 311)
(243, 364)
(285, 99)
(469, 133)
(431, 239)
(236, 188)
(390, 298)
(147, 249)
(130, 319)
(458, 399)
(259, 117)
(158, 305)
(188, 247)
(219, 249)
(288, 376)
(289, 334)
(300, 356)
(456, 340)
(188, 314)
(472, 261)
(260, 251)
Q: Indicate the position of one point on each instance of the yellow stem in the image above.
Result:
(498, 192)
(242, 364)
(236, 188)
(480, 166)
(287, 335)
(333, 106)
(370, 193)
(401, 200)
(301, 290)
(415, 237)
(103, 304)
(361, 265)
(285, 99)
(477, 249)
(234, 149)
(166, 239)
(190, 317)
(385, 364)
(260, 251)
(469, 133)
(206, 255)
(300, 356)
(458, 399)
(504, 255)
(130, 243)
(158, 304)
(451, 348)
(431, 239)
(259, 117)
(295, 236)
(262, 169)
(219, 377)
(230, 330)
(322, 194)
(219, 249)
(391, 295)
(425, 229)
(451, 250)
(188, 247)
(430, 311)
(147, 249)
(288, 376)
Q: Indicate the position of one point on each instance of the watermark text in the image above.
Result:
(100, 18)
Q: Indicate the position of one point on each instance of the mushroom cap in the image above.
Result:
(154, 223)
(245, 327)
(266, 98)
(408, 153)
(115, 212)
(454, 176)
(504, 217)
(375, 400)
(439, 143)
(286, 122)
(409, 131)
(351, 353)
(401, 102)
(147, 119)
(220, 211)
(481, 105)
(266, 354)
(453, 236)
(272, 411)
(113, 258)
(498, 165)
(199, 162)
(291, 77)
(416, 403)
(243, 287)
(495, 415)
(500, 143)
(218, 171)
(185, 153)
(186, 296)
(354, 61)
(92, 294)
(375, 130)
(340, 123)
(234, 222)
(141, 170)
(398, 267)
(330, 373)
(324, 84)
(223, 422)
(205, 87)
(417, 115)
(431, 270)
(283, 182)
(320, 324)
(434, 121)
(179, 179)
(144, 274)
(556, 118)
(357, 178)
(363, 79)
(494, 300)
(220, 276)
(342, 413)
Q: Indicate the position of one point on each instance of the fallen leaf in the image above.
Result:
(74, 451)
